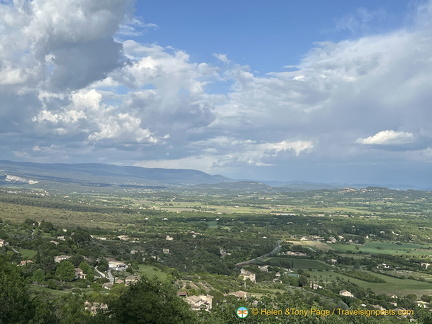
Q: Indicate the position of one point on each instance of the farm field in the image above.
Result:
(392, 285)
(313, 244)
(296, 263)
(386, 248)
(151, 272)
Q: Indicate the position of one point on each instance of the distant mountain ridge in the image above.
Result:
(84, 176)
(106, 174)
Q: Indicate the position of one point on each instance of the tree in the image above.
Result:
(72, 311)
(65, 271)
(151, 301)
(46, 226)
(15, 302)
(38, 276)
(102, 264)
(76, 259)
(85, 267)
(302, 280)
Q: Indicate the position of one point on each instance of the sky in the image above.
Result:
(323, 91)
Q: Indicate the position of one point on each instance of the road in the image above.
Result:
(108, 275)
(275, 250)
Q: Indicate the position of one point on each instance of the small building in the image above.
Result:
(331, 240)
(129, 280)
(113, 264)
(60, 258)
(166, 251)
(200, 302)
(345, 293)
(315, 286)
(247, 275)
(263, 268)
(79, 274)
(25, 262)
(425, 265)
(3, 243)
(169, 238)
(383, 266)
(107, 285)
(182, 293)
(422, 304)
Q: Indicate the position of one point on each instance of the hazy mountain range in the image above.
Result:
(77, 177)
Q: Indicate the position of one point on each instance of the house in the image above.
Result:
(113, 264)
(60, 258)
(263, 268)
(166, 251)
(25, 262)
(182, 293)
(425, 265)
(169, 238)
(129, 280)
(3, 243)
(315, 286)
(421, 304)
(331, 240)
(247, 275)
(79, 274)
(345, 293)
(107, 285)
(241, 295)
(383, 266)
(61, 238)
(223, 253)
(200, 302)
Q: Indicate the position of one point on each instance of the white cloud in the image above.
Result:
(70, 76)
(222, 57)
(388, 137)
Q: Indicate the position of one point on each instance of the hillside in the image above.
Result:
(41, 175)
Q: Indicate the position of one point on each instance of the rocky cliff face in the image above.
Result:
(16, 179)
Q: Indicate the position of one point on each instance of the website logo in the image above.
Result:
(242, 312)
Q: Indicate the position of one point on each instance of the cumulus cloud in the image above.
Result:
(72, 80)
(388, 137)
(221, 154)
(86, 114)
(59, 45)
